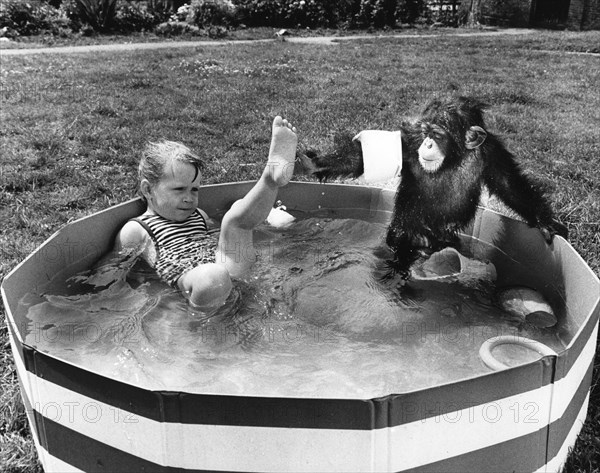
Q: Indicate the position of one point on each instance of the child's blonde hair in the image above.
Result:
(157, 155)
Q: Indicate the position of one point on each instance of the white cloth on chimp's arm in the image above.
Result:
(382, 155)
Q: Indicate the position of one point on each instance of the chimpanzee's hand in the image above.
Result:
(554, 228)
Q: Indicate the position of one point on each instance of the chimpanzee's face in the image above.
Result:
(435, 146)
(439, 144)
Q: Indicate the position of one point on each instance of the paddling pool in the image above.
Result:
(522, 417)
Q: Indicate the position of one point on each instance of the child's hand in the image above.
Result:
(103, 276)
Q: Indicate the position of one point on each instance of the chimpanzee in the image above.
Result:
(447, 157)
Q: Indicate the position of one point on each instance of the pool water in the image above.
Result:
(312, 319)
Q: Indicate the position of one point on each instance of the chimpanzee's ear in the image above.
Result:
(475, 137)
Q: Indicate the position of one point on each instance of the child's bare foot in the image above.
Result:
(283, 152)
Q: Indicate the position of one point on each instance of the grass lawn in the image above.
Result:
(72, 127)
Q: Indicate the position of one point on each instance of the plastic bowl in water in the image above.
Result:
(528, 304)
(450, 264)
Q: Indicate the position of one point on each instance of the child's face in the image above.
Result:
(175, 196)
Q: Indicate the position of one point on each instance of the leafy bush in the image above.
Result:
(213, 16)
(99, 14)
(182, 12)
(211, 12)
(133, 17)
(258, 12)
(176, 28)
(504, 13)
(70, 9)
(31, 18)
(310, 13)
(217, 32)
(327, 13)
(410, 11)
(377, 13)
(162, 10)
(292, 13)
(347, 12)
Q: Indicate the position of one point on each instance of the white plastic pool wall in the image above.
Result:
(523, 419)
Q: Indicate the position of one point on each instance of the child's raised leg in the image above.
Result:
(207, 286)
(236, 246)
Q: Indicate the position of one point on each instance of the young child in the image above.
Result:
(171, 235)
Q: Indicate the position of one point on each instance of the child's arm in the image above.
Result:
(132, 237)
(131, 242)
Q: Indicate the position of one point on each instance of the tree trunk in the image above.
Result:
(473, 19)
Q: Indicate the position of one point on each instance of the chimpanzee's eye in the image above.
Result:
(438, 133)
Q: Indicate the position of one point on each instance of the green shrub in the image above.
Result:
(258, 12)
(7, 32)
(311, 13)
(410, 11)
(27, 18)
(162, 10)
(176, 28)
(377, 13)
(211, 12)
(182, 12)
(99, 14)
(217, 32)
(294, 13)
(70, 9)
(504, 13)
(347, 12)
(319, 13)
(134, 17)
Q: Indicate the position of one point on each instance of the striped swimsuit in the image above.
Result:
(180, 246)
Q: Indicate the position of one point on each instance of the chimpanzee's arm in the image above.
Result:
(345, 160)
(504, 178)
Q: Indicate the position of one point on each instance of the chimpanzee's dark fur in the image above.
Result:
(432, 207)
